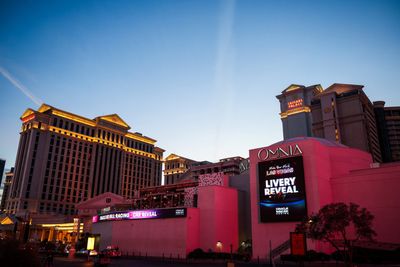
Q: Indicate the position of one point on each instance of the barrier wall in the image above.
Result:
(211, 226)
(153, 237)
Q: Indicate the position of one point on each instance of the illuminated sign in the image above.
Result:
(295, 103)
(279, 152)
(76, 225)
(90, 243)
(28, 118)
(282, 190)
(140, 214)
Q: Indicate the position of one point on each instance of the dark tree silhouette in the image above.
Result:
(333, 222)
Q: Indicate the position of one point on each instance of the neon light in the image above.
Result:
(294, 111)
(140, 214)
(295, 103)
(28, 118)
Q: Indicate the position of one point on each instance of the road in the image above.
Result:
(65, 262)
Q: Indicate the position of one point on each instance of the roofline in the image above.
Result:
(91, 122)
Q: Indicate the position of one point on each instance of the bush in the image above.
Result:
(375, 256)
(198, 253)
(311, 255)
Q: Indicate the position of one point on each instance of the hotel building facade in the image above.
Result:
(64, 158)
(6, 188)
(175, 167)
(295, 106)
(343, 113)
(388, 125)
(178, 168)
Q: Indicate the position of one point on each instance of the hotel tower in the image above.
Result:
(64, 159)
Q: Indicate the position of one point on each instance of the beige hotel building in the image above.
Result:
(64, 158)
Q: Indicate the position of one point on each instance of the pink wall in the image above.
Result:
(320, 161)
(193, 230)
(176, 237)
(377, 190)
(215, 219)
(218, 218)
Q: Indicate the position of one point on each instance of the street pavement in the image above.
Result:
(135, 262)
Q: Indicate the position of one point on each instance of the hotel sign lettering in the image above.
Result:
(279, 152)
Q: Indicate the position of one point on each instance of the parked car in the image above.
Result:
(112, 252)
(85, 252)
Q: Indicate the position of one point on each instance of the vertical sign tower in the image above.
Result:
(295, 102)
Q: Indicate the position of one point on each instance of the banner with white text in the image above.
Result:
(282, 196)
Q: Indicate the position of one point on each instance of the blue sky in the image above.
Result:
(199, 76)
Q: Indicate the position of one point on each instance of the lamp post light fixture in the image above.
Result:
(219, 246)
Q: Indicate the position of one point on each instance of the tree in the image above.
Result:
(334, 221)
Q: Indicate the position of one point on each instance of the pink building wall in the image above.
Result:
(320, 163)
(376, 189)
(172, 237)
(215, 219)
(218, 218)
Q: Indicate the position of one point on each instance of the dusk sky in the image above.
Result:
(198, 76)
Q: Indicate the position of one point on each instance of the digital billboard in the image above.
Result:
(282, 196)
(140, 214)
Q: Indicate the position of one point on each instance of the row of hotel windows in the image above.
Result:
(28, 187)
(139, 146)
(73, 159)
(130, 188)
(176, 165)
(58, 208)
(139, 172)
(74, 127)
(23, 153)
(392, 112)
(68, 195)
(171, 179)
(12, 206)
(136, 160)
(61, 208)
(106, 135)
(67, 169)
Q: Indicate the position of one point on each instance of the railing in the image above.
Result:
(280, 249)
(368, 244)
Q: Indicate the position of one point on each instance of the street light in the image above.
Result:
(219, 246)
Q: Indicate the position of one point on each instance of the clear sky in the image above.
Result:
(199, 76)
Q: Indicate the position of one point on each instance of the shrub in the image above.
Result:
(198, 253)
